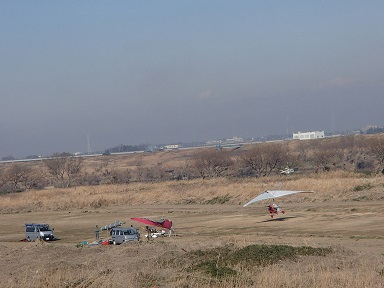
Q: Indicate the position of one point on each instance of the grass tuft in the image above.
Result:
(221, 262)
(363, 187)
(219, 200)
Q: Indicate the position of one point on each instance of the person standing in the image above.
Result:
(148, 232)
(97, 231)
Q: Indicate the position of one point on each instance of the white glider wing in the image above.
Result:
(270, 194)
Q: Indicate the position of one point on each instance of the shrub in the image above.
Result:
(363, 187)
(218, 200)
(221, 261)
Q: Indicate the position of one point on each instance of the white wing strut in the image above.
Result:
(270, 194)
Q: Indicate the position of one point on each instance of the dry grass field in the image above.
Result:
(333, 237)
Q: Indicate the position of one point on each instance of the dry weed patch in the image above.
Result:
(327, 186)
(165, 264)
(222, 261)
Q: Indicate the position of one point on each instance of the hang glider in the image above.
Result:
(272, 194)
(164, 223)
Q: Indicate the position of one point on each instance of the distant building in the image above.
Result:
(234, 140)
(214, 142)
(308, 135)
(171, 147)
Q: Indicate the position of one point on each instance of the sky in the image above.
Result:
(91, 73)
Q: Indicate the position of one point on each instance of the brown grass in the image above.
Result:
(327, 186)
(163, 265)
(353, 232)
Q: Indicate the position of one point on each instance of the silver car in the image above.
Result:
(121, 235)
(35, 231)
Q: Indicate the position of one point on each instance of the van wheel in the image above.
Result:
(28, 239)
(114, 242)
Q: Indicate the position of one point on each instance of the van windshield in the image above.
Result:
(44, 228)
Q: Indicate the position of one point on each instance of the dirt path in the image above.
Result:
(356, 225)
(355, 228)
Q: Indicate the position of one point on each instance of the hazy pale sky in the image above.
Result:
(135, 72)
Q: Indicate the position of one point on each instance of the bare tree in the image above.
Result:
(201, 162)
(212, 163)
(303, 147)
(3, 179)
(56, 165)
(376, 148)
(254, 160)
(73, 168)
(140, 170)
(264, 159)
(326, 155)
(17, 175)
(64, 167)
(276, 155)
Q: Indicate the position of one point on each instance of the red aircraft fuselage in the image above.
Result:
(274, 209)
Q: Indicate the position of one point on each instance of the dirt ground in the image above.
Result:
(354, 226)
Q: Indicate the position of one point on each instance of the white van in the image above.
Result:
(35, 231)
(121, 235)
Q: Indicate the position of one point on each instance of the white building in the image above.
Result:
(234, 140)
(171, 147)
(308, 135)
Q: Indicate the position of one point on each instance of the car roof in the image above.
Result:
(123, 228)
(35, 224)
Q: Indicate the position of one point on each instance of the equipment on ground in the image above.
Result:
(115, 224)
(163, 223)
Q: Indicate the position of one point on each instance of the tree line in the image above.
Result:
(349, 153)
